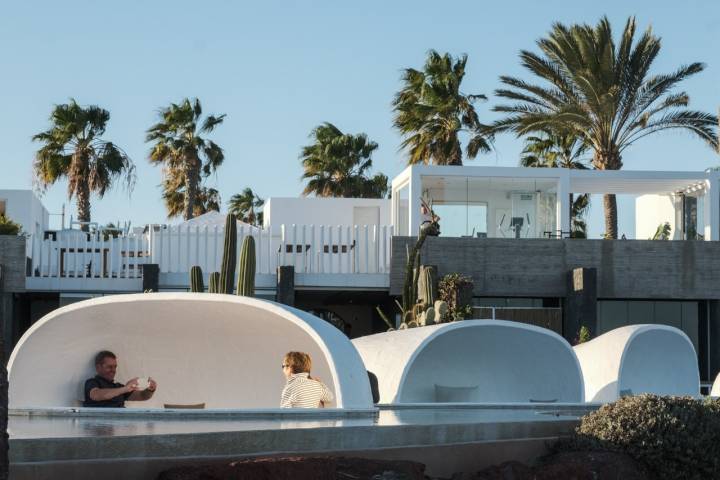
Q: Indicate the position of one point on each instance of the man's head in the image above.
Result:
(106, 365)
(296, 362)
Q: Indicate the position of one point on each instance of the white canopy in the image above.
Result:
(475, 361)
(221, 350)
(639, 359)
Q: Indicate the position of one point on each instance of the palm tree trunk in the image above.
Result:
(191, 186)
(83, 203)
(610, 206)
(609, 160)
(572, 215)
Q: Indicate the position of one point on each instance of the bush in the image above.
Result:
(674, 437)
(8, 227)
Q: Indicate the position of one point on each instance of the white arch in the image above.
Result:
(222, 350)
(639, 359)
(484, 361)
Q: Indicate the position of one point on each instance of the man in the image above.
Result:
(103, 391)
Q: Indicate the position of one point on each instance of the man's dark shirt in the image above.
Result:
(99, 382)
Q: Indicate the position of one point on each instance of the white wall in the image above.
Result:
(24, 207)
(653, 210)
(320, 211)
(221, 350)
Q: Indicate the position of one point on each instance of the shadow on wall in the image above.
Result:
(639, 359)
(473, 361)
(221, 350)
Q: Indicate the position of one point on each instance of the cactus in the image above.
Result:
(429, 316)
(246, 268)
(403, 326)
(441, 310)
(385, 318)
(196, 279)
(412, 324)
(422, 319)
(408, 317)
(427, 290)
(227, 270)
(214, 282)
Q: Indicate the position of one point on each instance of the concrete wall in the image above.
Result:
(320, 211)
(627, 269)
(12, 260)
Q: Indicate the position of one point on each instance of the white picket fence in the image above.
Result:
(324, 249)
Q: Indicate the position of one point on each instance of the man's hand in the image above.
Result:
(152, 384)
(132, 385)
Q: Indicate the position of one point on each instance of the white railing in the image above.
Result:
(87, 255)
(309, 248)
(317, 249)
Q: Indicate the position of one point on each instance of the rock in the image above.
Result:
(569, 466)
(300, 468)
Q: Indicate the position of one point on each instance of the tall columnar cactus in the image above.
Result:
(246, 268)
(196, 279)
(214, 283)
(426, 288)
(229, 259)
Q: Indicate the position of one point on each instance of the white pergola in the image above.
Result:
(705, 184)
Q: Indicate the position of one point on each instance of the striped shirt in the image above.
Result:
(303, 392)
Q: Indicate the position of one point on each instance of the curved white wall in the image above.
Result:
(485, 361)
(639, 359)
(715, 392)
(223, 350)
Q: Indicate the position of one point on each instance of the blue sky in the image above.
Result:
(278, 69)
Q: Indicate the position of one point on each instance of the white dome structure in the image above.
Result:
(715, 391)
(221, 350)
(639, 359)
(473, 361)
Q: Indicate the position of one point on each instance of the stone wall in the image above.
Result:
(12, 260)
(628, 269)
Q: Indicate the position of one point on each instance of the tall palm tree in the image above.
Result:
(206, 199)
(551, 149)
(73, 148)
(336, 165)
(243, 205)
(603, 93)
(179, 145)
(431, 112)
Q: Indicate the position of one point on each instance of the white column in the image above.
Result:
(414, 193)
(712, 209)
(563, 204)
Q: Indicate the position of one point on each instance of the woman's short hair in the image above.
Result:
(299, 362)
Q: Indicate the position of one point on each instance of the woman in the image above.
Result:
(301, 390)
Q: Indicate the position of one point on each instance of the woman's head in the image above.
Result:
(296, 362)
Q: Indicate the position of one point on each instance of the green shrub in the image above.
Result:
(8, 227)
(674, 437)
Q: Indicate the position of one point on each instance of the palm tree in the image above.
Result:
(603, 93)
(206, 199)
(431, 111)
(243, 206)
(335, 165)
(179, 147)
(551, 149)
(73, 148)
